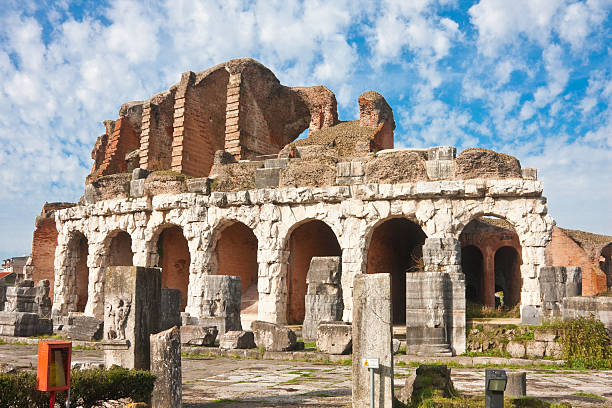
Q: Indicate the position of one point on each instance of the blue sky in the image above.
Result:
(532, 78)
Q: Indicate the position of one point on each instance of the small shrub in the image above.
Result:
(87, 387)
(586, 344)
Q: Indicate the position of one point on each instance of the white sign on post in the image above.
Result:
(370, 362)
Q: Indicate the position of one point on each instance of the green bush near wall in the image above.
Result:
(586, 344)
(87, 387)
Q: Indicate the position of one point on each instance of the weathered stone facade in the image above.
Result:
(341, 192)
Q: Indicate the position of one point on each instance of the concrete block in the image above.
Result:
(166, 366)
(372, 334)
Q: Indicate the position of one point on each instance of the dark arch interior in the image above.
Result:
(605, 264)
(508, 275)
(313, 238)
(80, 250)
(471, 264)
(121, 250)
(237, 256)
(174, 259)
(396, 247)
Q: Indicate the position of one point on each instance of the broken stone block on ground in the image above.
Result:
(199, 335)
(273, 337)
(335, 338)
(237, 339)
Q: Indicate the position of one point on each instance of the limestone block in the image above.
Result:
(132, 299)
(440, 169)
(273, 337)
(267, 177)
(334, 338)
(517, 384)
(442, 153)
(441, 252)
(19, 324)
(323, 300)
(42, 301)
(372, 334)
(166, 366)
(516, 349)
(220, 302)
(278, 163)
(530, 314)
(535, 349)
(81, 327)
(170, 309)
(545, 335)
(137, 187)
(200, 336)
(529, 173)
(554, 350)
(237, 339)
(199, 185)
(573, 282)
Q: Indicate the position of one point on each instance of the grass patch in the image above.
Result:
(475, 310)
(589, 395)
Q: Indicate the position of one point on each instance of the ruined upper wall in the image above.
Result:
(238, 106)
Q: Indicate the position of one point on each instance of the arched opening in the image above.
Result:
(174, 259)
(498, 260)
(120, 250)
(507, 277)
(396, 247)
(605, 263)
(78, 248)
(471, 264)
(313, 238)
(237, 256)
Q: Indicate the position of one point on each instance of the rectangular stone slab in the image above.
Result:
(372, 337)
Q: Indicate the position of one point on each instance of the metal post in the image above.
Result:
(52, 400)
(68, 399)
(371, 388)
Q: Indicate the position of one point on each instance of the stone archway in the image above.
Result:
(236, 253)
(500, 270)
(396, 248)
(508, 275)
(309, 239)
(78, 250)
(471, 265)
(120, 250)
(174, 259)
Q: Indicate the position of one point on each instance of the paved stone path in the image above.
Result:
(229, 382)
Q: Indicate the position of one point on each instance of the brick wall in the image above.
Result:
(174, 261)
(120, 250)
(44, 242)
(114, 147)
(314, 238)
(564, 251)
(157, 129)
(237, 254)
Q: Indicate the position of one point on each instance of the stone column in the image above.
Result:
(531, 301)
(435, 300)
(372, 337)
(324, 294)
(488, 277)
(131, 314)
(166, 366)
(272, 285)
(220, 300)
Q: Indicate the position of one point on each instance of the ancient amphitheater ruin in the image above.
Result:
(207, 178)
